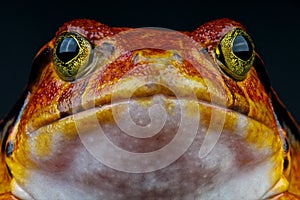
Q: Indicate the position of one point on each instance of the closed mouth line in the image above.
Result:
(107, 104)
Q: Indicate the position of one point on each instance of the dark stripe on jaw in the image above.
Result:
(262, 74)
(40, 62)
(10, 120)
(285, 118)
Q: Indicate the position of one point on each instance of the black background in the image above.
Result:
(274, 27)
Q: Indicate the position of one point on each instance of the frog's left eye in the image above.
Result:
(236, 54)
(72, 55)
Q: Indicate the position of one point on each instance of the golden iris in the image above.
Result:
(71, 55)
(236, 54)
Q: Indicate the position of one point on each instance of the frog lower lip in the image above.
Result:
(74, 113)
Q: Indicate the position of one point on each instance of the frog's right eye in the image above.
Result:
(235, 54)
(72, 55)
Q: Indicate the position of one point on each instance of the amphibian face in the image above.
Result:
(122, 113)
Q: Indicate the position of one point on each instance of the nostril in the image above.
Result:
(177, 57)
(135, 58)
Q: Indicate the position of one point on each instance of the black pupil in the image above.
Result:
(242, 48)
(67, 49)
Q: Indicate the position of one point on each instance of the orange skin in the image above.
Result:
(49, 98)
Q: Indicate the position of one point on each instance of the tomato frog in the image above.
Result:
(149, 113)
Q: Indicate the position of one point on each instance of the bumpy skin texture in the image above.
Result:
(48, 99)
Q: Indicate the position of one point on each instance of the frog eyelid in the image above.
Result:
(72, 54)
(235, 54)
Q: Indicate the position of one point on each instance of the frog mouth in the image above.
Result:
(238, 153)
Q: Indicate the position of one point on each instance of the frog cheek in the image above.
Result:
(72, 55)
(235, 54)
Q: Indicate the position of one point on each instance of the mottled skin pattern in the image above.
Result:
(48, 98)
